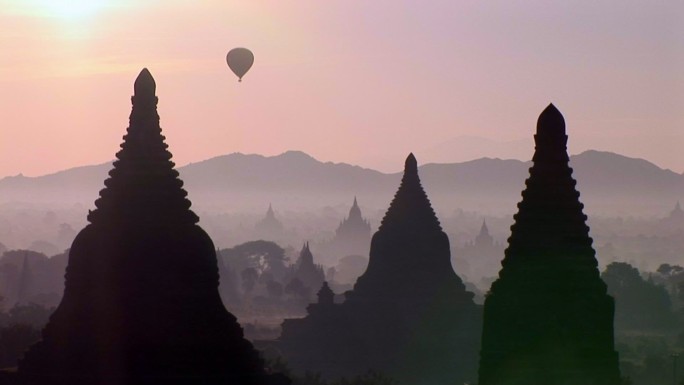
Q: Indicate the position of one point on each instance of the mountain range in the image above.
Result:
(610, 184)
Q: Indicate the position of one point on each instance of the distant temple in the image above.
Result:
(309, 273)
(141, 304)
(479, 258)
(483, 239)
(269, 228)
(547, 318)
(408, 316)
(353, 235)
(674, 220)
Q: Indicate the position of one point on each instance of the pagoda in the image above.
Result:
(269, 228)
(308, 272)
(547, 318)
(484, 239)
(141, 302)
(674, 220)
(353, 235)
(478, 260)
(408, 316)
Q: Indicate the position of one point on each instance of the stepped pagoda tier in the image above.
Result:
(547, 318)
(408, 316)
(141, 302)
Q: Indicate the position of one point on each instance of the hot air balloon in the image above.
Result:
(240, 60)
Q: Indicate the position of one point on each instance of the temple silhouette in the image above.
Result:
(352, 236)
(477, 259)
(141, 302)
(408, 316)
(269, 228)
(308, 272)
(547, 318)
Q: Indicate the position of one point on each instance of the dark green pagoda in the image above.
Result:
(409, 315)
(547, 318)
(141, 302)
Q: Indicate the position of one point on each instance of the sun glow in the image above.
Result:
(66, 9)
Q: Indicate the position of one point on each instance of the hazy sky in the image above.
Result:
(362, 82)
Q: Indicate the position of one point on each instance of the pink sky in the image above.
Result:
(362, 82)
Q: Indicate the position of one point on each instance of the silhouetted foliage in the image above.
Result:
(279, 365)
(14, 341)
(263, 256)
(275, 289)
(667, 269)
(30, 314)
(639, 304)
(249, 279)
(297, 289)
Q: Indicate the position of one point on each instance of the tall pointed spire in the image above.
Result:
(548, 319)
(143, 183)
(355, 211)
(141, 302)
(411, 222)
(305, 256)
(352, 236)
(407, 305)
(307, 271)
(419, 210)
(484, 230)
(484, 239)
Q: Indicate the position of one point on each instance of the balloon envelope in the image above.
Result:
(240, 60)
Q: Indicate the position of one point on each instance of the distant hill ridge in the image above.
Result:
(608, 182)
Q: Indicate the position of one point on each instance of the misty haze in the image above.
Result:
(333, 193)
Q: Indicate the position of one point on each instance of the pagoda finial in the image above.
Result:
(550, 139)
(551, 122)
(355, 211)
(484, 229)
(145, 85)
(411, 164)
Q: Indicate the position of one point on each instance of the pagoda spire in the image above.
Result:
(143, 183)
(355, 211)
(484, 230)
(408, 305)
(141, 302)
(547, 318)
(419, 210)
(305, 256)
(411, 222)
